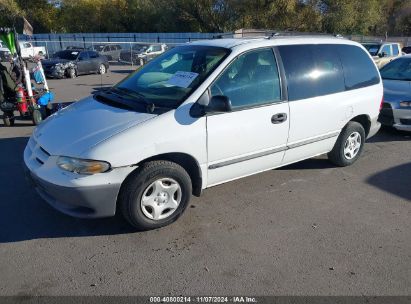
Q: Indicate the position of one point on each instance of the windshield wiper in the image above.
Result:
(150, 106)
(109, 100)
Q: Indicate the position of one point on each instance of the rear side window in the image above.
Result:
(317, 70)
(93, 54)
(312, 70)
(359, 70)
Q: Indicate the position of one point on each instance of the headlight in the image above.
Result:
(82, 166)
(405, 104)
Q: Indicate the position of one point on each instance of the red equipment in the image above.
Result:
(21, 100)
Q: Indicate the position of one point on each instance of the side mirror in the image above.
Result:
(218, 103)
(383, 54)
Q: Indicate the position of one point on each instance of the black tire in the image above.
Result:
(133, 188)
(337, 155)
(37, 118)
(71, 73)
(8, 120)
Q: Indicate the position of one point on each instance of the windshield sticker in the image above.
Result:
(182, 79)
(74, 53)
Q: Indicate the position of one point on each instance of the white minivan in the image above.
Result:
(202, 114)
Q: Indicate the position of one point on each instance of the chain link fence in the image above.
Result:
(125, 47)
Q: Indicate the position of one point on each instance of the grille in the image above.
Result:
(405, 122)
(38, 153)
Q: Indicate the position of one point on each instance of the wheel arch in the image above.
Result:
(365, 121)
(188, 162)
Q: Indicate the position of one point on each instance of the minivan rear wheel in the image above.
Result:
(349, 145)
(155, 195)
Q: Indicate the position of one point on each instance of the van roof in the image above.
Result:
(252, 42)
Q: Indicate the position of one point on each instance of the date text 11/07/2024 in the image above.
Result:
(203, 299)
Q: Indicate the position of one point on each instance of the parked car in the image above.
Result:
(28, 50)
(71, 63)
(383, 52)
(406, 50)
(396, 110)
(111, 51)
(151, 52)
(131, 56)
(4, 53)
(203, 114)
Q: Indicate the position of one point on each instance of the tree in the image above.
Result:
(10, 12)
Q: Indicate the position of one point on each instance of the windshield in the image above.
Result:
(372, 48)
(167, 80)
(399, 69)
(98, 48)
(139, 47)
(69, 55)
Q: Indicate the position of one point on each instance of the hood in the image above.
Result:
(397, 90)
(83, 125)
(53, 61)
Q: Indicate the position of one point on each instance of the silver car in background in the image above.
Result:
(396, 109)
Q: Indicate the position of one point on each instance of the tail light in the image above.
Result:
(382, 102)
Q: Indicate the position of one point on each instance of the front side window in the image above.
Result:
(83, 56)
(312, 70)
(169, 78)
(251, 80)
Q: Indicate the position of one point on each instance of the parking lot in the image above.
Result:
(305, 229)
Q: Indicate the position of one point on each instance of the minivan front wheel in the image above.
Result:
(155, 195)
(349, 145)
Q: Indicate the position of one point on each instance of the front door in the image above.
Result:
(253, 136)
(83, 63)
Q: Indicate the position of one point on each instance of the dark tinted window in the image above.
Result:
(250, 80)
(359, 70)
(372, 48)
(93, 54)
(83, 56)
(312, 70)
(316, 70)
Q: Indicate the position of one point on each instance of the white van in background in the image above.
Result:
(203, 114)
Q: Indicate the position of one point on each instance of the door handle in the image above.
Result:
(278, 118)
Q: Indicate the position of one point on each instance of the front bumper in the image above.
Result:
(84, 196)
(399, 118)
